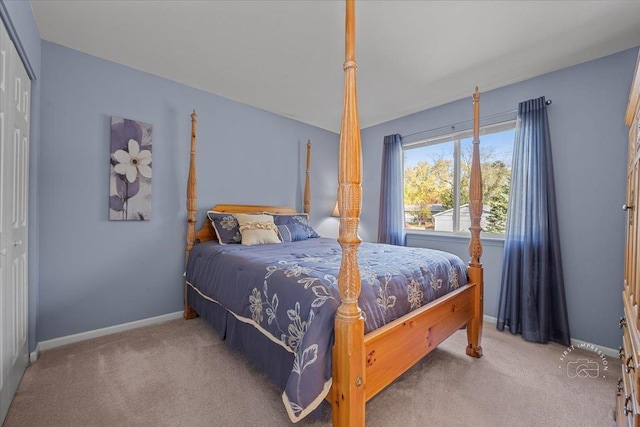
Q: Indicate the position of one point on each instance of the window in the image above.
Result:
(436, 179)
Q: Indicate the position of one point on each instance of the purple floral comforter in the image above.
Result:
(289, 293)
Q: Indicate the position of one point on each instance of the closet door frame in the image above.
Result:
(15, 130)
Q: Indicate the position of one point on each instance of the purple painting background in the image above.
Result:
(129, 200)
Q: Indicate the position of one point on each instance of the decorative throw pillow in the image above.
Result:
(300, 218)
(226, 227)
(292, 232)
(257, 229)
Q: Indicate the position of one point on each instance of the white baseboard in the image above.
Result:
(574, 342)
(69, 339)
(490, 319)
(33, 356)
(588, 346)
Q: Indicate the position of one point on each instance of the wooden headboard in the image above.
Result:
(208, 233)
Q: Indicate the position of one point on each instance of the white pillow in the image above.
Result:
(257, 229)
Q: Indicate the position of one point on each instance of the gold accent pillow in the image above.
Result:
(257, 229)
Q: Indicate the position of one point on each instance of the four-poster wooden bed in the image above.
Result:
(362, 364)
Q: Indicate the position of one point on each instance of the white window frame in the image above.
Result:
(456, 137)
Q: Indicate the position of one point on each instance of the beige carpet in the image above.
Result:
(179, 374)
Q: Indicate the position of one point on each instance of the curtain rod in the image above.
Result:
(455, 125)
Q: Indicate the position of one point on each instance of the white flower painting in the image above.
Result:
(133, 162)
(130, 175)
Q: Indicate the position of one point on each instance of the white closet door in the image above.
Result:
(15, 96)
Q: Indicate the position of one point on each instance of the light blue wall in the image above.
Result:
(96, 273)
(589, 143)
(20, 16)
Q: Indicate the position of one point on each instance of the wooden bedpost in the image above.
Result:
(348, 397)
(307, 182)
(474, 328)
(192, 206)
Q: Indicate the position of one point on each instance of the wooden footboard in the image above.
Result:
(397, 346)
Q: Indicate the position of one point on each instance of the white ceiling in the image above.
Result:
(286, 56)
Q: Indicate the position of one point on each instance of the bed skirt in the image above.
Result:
(246, 339)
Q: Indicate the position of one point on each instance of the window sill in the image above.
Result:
(488, 239)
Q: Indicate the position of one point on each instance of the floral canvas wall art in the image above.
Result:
(130, 174)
